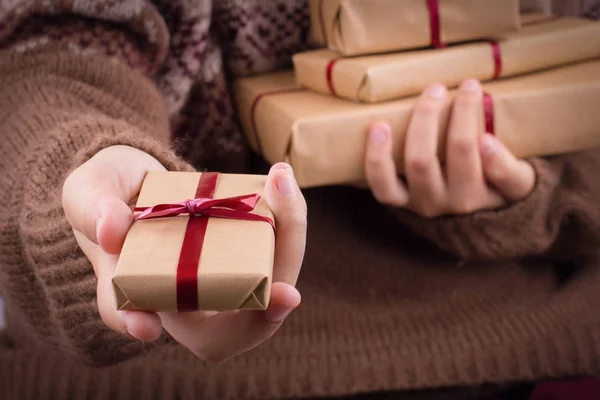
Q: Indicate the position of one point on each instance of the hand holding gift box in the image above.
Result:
(355, 27)
(543, 42)
(239, 265)
(323, 137)
(477, 173)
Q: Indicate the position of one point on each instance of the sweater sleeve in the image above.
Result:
(59, 106)
(559, 219)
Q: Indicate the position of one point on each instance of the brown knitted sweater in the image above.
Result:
(391, 302)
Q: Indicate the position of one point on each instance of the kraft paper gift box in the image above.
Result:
(355, 27)
(323, 137)
(543, 42)
(183, 261)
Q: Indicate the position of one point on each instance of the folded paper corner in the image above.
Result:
(259, 297)
(123, 302)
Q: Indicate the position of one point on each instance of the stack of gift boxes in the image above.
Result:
(541, 79)
(542, 97)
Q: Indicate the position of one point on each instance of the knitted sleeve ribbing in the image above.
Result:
(58, 108)
(559, 219)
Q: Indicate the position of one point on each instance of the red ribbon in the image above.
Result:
(329, 75)
(496, 50)
(434, 23)
(199, 210)
(497, 59)
(488, 112)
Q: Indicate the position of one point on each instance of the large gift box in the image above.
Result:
(199, 241)
(323, 137)
(543, 42)
(354, 27)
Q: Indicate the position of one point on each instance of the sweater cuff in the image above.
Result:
(516, 230)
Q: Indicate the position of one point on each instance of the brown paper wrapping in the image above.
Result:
(323, 137)
(236, 262)
(379, 78)
(355, 27)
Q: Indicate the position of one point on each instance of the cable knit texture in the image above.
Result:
(559, 218)
(468, 306)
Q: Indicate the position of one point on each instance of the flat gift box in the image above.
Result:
(358, 27)
(323, 137)
(197, 262)
(543, 42)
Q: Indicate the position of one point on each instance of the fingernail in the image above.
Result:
(276, 314)
(281, 165)
(436, 91)
(469, 85)
(488, 145)
(379, 133)
(286, 185)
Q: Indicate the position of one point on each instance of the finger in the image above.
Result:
(113, 224)
(463, 161)
(380, 169)
(143, 326)
(96, 195)
(221, 336)
(492, 200)
(423, 172)
(512, 177)
(289, 208)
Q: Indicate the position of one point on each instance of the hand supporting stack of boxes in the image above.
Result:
(541, 79)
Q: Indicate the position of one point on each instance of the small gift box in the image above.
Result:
(358, 27)
(543, 42)
(323, 137)
(199, 241)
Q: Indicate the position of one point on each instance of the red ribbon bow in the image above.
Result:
(238, 207)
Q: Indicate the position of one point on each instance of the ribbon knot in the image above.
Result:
(193, 207)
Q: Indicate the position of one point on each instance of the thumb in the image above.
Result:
(289, 208)
(96, 195)
(115, 218)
